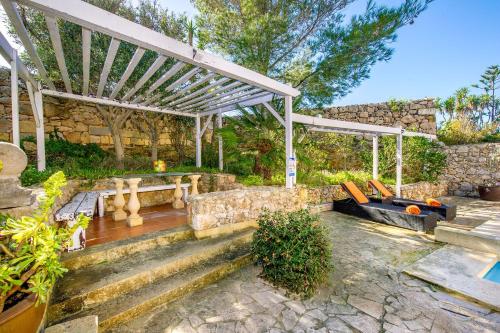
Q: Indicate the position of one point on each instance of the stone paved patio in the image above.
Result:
(367, 293)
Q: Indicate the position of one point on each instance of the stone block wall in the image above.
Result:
(212, 213)
(469, 166)
(76, 121)
(418, 115)
(416, 191)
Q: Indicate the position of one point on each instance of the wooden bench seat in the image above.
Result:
(82, 203)
(104, 194)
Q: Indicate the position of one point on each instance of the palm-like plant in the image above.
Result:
(255, 141)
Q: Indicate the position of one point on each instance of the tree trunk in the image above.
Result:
(154, 145)
(117, 143)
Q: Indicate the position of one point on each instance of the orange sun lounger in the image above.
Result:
(361, 206)
(445, 212)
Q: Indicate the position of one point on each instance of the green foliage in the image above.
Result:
(397, 105)
(310, 44)
(294, 251)
(321, 178)
(60, 152)
(463, 131)
(252, 180)
(423, 159)
(31, 247)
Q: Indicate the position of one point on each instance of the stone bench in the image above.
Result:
(104, 194)
(82, 203)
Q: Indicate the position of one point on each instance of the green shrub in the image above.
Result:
(463, 131)
(294, 251)
(252, 180)
(31, 247)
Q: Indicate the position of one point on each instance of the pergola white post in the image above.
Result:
(290, 170)
(16, 136)
(221, 156)
(375, 157)
(198, 141)
(40, 130)
(399, 163)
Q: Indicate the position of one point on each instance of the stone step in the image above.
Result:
(139, 302)
(118, 249)
(92, 285)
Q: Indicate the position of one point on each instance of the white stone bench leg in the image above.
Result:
(78, 238)
(100, 205)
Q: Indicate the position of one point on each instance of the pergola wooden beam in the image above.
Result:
(136, 58)
(55, 37)
(110, 102)
(231, 99)
(218, 97)
(210, 94)
(189, 87)
(86, 44)
(150, 72)
(106, 68)
(200, 91)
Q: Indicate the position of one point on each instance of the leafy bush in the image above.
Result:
(253, 180)
(463, 131)
(31, 248)
(294, 251)
(423, 159)
(60, 152)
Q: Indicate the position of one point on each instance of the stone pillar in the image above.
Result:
(194, 184)
(133, 203)
(119, 202)
(178, 204)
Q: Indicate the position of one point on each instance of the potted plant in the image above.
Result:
(30, 261)
(490, 191)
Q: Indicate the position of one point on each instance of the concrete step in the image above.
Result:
(141, 301)
(91, 286)
(115, 250)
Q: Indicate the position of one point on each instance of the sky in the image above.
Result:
(449, 46)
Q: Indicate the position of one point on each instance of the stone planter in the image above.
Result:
(489, 193)
(25, 316)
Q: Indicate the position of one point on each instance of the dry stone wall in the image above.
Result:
(469, 166)
(419, 115)
(218, 209)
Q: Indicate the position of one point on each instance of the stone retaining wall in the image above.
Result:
(416, 191)
(419, 115)
(222, 212)
(469, 166)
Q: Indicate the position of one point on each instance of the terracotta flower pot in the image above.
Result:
(489, 193)
(25, 316)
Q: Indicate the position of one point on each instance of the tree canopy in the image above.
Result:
(308, 43)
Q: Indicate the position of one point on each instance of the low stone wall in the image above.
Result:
(469, 166)
(223, 212)
(424, 190)
(417, 114)
(416, 191)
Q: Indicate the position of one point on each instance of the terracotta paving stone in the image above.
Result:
(104, 229)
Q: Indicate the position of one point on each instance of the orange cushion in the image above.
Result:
(380, 188)
(432, 202)
(356, 193)
(413, 210)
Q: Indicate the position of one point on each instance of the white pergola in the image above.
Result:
(319, 124)
(198, 84)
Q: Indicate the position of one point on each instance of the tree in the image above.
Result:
(147, 12)
(489, 83)
(304, 42)
(152, 124)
